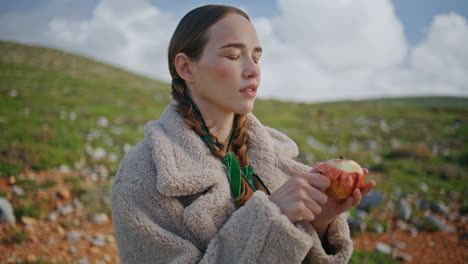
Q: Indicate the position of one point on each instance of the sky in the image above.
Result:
(313, 50)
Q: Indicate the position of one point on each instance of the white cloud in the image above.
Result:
(314, 50)
(133, 35)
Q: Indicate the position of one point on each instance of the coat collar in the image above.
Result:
(185, 165)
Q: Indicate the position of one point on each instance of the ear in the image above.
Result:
(184, 67)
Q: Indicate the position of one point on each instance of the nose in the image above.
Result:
(251, 69)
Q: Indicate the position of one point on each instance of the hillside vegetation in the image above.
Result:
(67, 111)
(58, 109)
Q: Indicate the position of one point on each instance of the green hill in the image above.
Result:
(58, 108)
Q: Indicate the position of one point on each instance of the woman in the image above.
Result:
(210, 183)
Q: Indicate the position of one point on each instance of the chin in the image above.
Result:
(244, 107)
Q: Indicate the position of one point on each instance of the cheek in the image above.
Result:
(223, 71)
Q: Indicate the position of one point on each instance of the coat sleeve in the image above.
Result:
(255, 233)
(339, 247)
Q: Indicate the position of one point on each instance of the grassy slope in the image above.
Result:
(407, 140)
(50, 102)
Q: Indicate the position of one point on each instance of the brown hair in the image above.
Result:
(190, 37)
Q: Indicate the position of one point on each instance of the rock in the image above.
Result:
(72, 250)
(66, 209)
(424, 187)
(73, 235)
(371, 200)
(404, 209)
(357, 225)
(6, 212)
(13, 93)
(399, 244)
(83, 261)
(102, 122)
(98, 153)
(383, 248)
(438, 224)
(440, 207)
(52, 216)
(100, 218)
(379, 228)
(127, 147)
(413, 230)
(400, 256)
(99, 241)
(77, 203)
(64, 169)
(396, 194)
(107, 258)
(18, 190)
(402, 225)
(72, 116)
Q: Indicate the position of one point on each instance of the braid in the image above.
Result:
(239, 143)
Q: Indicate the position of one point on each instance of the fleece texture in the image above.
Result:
(171, 203)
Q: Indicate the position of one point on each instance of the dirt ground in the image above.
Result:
(52, 240)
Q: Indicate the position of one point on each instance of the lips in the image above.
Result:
(250, 90)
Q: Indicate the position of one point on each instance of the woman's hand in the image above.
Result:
(302, 197)
(334, 207)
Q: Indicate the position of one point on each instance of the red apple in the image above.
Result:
(345, 176)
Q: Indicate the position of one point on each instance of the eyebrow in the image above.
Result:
(239, 46)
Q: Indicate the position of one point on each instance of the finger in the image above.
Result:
(318, 181)
(357, 197)
(313, 206)
(314, 169)
(368, 187)
(317, 195)
(366, 171)
(303, 214)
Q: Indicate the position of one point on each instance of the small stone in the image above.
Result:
(50, 241)
(64, 169)
(402, 225)
(100, 218)
(100, 262)
(437, 223)
(399, 244)
(98, 153)
(6, 212)
(83, 261)
(52, 216)
(18, 190)
(107, 258)
(64, 210)
(98, 241)
(383, 248)
(424, 187)
(404, 209)
(73, 235)
(102, 122)
(13, 93)
(72, 250)
(403, 256)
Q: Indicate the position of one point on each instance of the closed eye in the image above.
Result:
(232, 57)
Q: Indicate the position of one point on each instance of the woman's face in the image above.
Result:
(227, 74)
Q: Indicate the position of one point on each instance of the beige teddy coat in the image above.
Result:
(171, 203)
